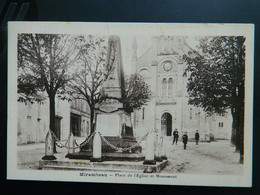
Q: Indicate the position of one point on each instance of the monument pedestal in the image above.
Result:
(115, 128)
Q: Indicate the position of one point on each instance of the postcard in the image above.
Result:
(135, 103)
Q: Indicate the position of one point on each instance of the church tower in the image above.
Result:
(134, 56)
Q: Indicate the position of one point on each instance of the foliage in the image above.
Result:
(90, 74)
(216, 73)
(43, 64)
(90, 71)
(137, 92)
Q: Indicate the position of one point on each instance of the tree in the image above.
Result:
(91, 72)
(137, 92)
(216, 72)
(44, 62)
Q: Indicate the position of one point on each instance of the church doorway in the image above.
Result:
(166, 124)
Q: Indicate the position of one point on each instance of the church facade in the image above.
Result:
(162, 67)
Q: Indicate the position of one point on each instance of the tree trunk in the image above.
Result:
(241, 124)
(92, 115)
(240, 133)
(52, 115)
(238, 128)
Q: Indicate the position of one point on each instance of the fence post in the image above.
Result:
(158, 148)
(97, 148)
(71, 145)
(149, 150)
(49, 147)
(163, 149)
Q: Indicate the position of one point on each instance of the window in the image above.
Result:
(143, 114)
(190, 113)
(144, 73)
(164, 84)
(75, 124)
(170, 83)
(220, 124)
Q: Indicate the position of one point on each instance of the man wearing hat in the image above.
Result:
(185, 139)
(175, 136)
(197, 137)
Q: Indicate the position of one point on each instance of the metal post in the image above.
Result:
(149, 150)
(49, 147)
(97, 149)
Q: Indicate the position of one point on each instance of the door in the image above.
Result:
(166, 124)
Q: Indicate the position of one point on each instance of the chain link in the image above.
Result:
(61, 145)
(87, 140)
(120, 149)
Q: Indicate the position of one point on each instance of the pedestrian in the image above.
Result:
(175, 136)
(185, 139)
(197, 137)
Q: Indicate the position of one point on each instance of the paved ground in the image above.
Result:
(206, 158)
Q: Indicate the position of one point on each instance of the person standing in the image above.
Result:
(197, 137)
(185, 140)
(175, 136)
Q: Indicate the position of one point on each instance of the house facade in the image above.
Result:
(33, 120)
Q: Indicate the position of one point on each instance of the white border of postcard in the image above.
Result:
(14, 28)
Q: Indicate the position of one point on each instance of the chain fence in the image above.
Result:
(61, 145)
(119, 149)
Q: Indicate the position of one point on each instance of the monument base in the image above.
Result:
(125, 142)
(116, 132)
(52, 157)
(158, 159)
(164, 157)
(114, 156)
(92, 159)
(149, 162)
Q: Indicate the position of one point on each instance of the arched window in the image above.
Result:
(170, 83)
(164, 85)
(144, 73)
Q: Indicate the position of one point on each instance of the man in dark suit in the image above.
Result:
(175, 136)
(185, 139)
(197, 137)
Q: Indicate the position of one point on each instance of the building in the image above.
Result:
(33, 120)
(79, 118)
(162, 67)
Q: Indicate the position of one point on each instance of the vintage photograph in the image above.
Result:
(140, 103)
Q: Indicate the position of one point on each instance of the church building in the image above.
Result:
(162, 67)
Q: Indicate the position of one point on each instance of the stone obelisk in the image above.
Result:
(112, 120)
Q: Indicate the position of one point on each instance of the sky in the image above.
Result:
(143, 44)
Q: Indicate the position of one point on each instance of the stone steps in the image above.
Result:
(113, 166)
